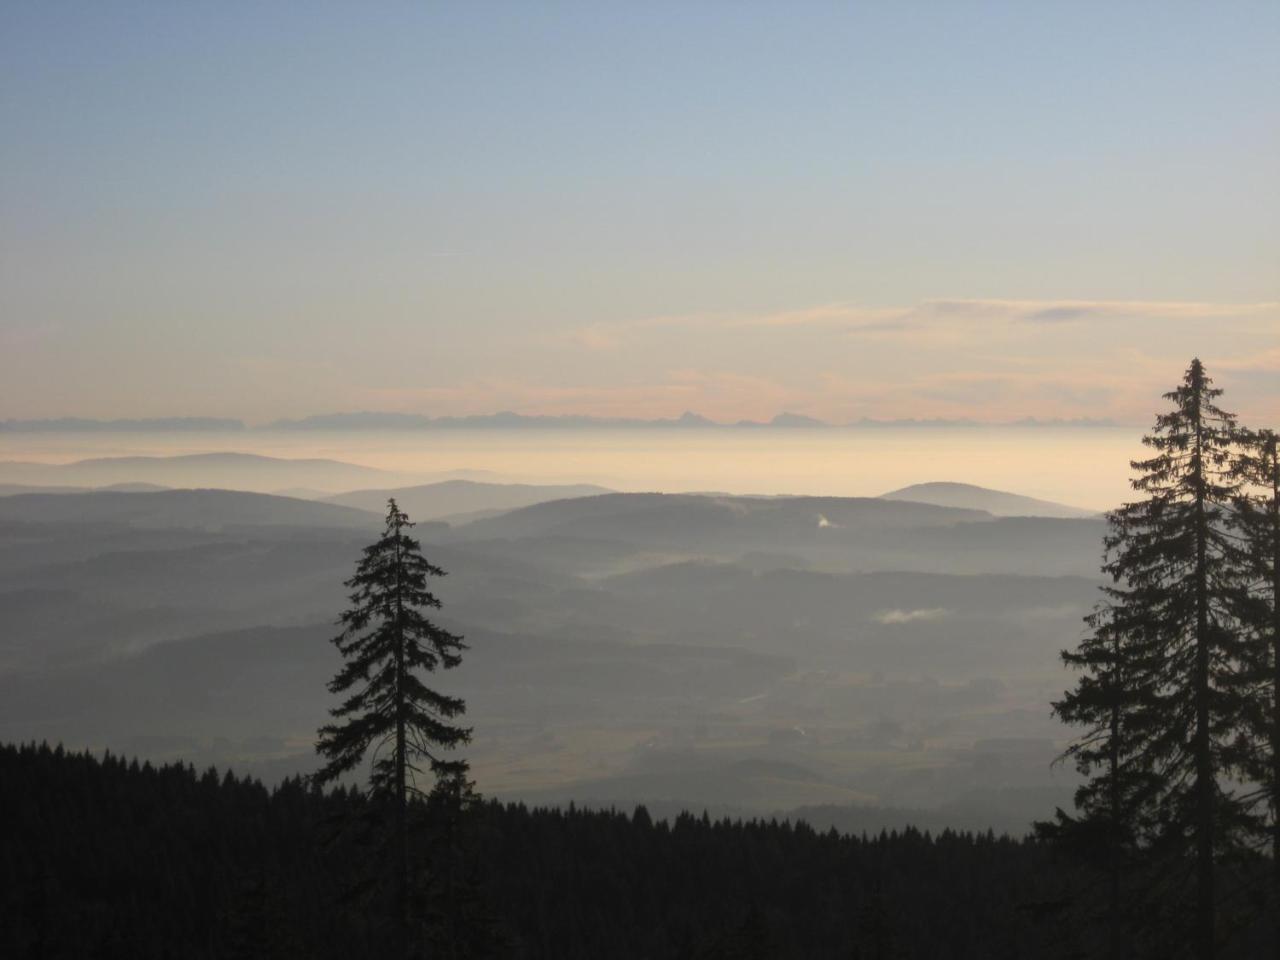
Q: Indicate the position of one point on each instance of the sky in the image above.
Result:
(889, 210)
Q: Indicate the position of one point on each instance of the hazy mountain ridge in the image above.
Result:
(180, 508)
(615, 639)
(225, 470)
(846, 533)
(682, 516)
(996, 502)
(10, 489)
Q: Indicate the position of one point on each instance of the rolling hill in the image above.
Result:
(996, 502)
(232, 471)
(665, 517)
(10, 489)
(202, 509)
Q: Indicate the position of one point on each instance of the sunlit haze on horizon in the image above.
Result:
(1083, 467)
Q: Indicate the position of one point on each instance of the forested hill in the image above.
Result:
(108, 858)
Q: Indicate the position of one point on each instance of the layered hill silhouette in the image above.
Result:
(851, 533)
(233, 471)
(9, 489)
(615, 638)
(205, 509)
(665, 516)
(996, 502)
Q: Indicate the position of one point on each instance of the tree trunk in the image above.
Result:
(1204, 937)
(1273, 467)
(1116, 950)
(402, 800)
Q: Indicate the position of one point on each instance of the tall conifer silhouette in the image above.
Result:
(1171, 625)
(1114, 806)
(1259, 521)
(387, 641)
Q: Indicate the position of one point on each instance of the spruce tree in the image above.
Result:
(1258, 518)
(386, 642)
(1114, 805)
(1177, 576)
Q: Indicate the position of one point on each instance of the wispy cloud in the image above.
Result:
(1061, 314)
(976, 358)
(1265, 361)
(891, 617)
(928, 315)
(618, 334)
(720, 394)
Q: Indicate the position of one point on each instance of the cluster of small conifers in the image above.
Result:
(1179, 690)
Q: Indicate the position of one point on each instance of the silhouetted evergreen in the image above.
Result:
(386, 640)
(1113, 821)
(1162, 695)
(1259, 522)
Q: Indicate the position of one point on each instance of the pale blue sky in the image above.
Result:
(262, 209)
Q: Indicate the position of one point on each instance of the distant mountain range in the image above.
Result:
(996, 502)
(459, 499)
(505, 420)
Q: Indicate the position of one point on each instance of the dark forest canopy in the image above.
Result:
(105, 857)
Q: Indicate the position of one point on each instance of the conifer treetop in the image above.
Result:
(387, 641)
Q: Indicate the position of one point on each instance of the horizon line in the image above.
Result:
(361, 421)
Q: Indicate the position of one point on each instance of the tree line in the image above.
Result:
(103, 857)
(1179, 692)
